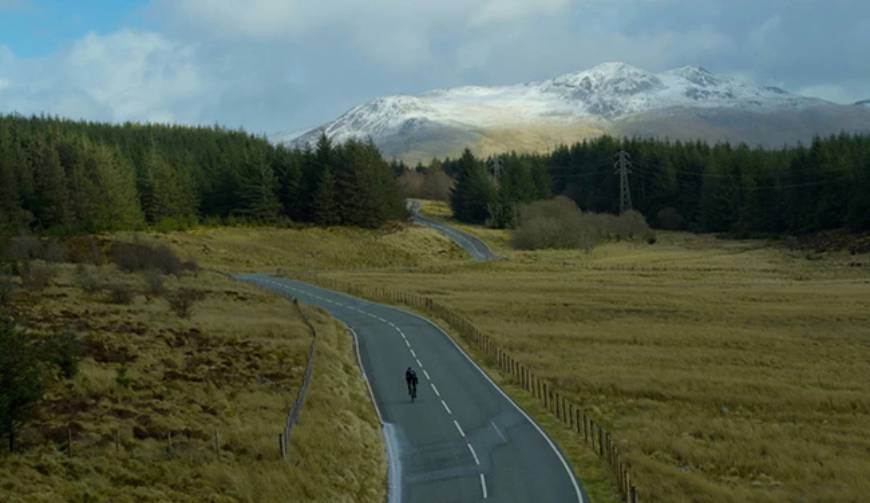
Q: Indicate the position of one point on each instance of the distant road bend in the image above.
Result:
(478, 250)
(463, 440)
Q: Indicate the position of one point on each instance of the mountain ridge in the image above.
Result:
(611, 98)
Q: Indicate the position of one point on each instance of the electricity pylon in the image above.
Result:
(623, 169)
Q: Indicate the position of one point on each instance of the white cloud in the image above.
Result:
(124, 76)
(838, 93)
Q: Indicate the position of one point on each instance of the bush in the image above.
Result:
(558, 223)
(85, 250)
(27, 248)
(154, 286)
(35, 276)
(182, 301)
(64, 350)
(121, 294)
(7, 290)
(86, 280)
(137, 257)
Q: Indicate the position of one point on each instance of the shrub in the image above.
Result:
(137, 257)
(182, 301)
(119, 293)
(122, 379)
(26, 248)
(35, 276)
(86, 280)
(64, 350)
(7, 290)
(154, 286)
(556, 223)
(85, 250)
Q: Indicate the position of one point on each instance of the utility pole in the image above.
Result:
(623, 169)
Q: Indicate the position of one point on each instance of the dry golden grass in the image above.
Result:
(727, 371)
(233, 368)
(243, 249)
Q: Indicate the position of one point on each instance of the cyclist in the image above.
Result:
(411, 380)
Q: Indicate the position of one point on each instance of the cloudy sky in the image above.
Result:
(285, 65)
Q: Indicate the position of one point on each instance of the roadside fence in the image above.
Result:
(293, 413)
(569, 413)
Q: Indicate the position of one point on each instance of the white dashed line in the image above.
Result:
(483, 485)
(473, 454)
(413, 354)
(426, 374)
(461, 433)
(419, 364)
(407, 343)
(498, 432)
(446, 407)
(435, 389)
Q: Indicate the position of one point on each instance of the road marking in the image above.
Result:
(413, 354)
(473, 454)
(483, 485)
(418, 363)
(435, 389)
(461, 433)
(426, 374)
(407, 343)
(516, 407)
(446, 407)
(498, 432)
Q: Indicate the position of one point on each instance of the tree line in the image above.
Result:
(71, 177)
(685, 185)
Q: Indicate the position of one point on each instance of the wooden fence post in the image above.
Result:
(570, 416)
(600, 441)
(548, 400)
(577, 421)
(281, 448)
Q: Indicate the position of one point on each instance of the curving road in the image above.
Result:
(463, 440)
(471, 244)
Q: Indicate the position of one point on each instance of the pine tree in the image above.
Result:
(473, 192)
(257, 192)
(324, 209)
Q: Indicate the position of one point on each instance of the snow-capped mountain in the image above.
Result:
(612, 98)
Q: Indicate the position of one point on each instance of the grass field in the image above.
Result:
(232, 369)
(727, 370)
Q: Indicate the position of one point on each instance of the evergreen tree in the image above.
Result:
(473, 192)
(325, 209)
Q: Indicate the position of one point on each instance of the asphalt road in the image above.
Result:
(471, 244)
(463, 440)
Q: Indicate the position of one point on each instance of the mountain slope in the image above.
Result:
(615, 98)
